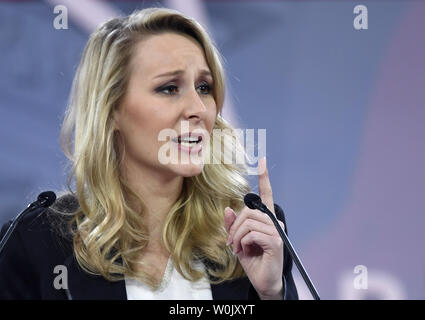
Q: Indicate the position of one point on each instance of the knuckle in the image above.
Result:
(252, 215)
(244, 241)
(279, 242)
(250, 223)
(259, 215)
(245, 210)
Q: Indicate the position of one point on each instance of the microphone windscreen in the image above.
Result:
(66, 204)
(252, 200)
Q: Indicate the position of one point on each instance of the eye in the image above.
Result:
(204, 88)
(169, 89)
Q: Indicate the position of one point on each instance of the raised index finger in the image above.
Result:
(264, 186)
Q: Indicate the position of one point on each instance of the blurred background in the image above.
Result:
(342, 100)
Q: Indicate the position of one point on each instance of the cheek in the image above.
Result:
(135, 123)
(140, 117)
(136, 128)
(211, 117)
(146, 129)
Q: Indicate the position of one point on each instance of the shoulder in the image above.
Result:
(40, 242)
(46, 222)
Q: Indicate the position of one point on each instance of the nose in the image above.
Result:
(194, 107)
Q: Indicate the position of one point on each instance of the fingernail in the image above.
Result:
(231, 210)
(229, 241)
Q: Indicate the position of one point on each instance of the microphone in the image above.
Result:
(253, 201)
(45, 199)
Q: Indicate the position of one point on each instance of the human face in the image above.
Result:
(170, 84)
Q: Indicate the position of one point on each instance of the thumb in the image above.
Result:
(229, 218)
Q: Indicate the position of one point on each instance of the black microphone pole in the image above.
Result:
(253, 201)
(45, 199)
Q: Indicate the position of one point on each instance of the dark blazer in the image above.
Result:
(35, 248)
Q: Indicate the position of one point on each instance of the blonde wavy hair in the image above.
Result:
(109, 234)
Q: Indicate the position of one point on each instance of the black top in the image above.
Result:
(37, 246)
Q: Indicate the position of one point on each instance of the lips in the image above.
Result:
(190, 142)
(190, 137)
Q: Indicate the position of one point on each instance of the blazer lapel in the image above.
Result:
(83, 286)
(238, 289)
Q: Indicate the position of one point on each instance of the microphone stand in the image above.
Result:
(257, 204)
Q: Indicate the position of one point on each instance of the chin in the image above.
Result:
(188, 170)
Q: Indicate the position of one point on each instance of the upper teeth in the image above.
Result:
(191, 139)
(187, 139)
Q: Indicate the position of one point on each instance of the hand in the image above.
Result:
(257, 243)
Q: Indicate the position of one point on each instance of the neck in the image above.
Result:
(159, 192)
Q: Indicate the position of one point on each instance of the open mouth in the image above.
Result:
(188, 140)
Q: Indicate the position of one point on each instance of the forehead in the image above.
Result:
(167, 51)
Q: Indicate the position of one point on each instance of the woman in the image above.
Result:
(139, 227)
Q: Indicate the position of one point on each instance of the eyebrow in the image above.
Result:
(178, 72)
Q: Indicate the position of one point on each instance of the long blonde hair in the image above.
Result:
(108, 234)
